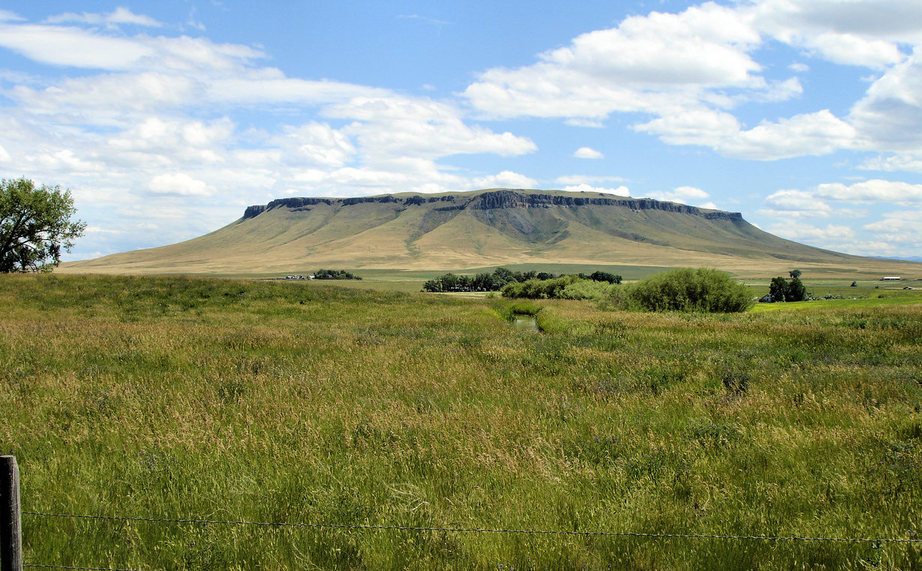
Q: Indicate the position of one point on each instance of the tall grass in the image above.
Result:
(228, 400)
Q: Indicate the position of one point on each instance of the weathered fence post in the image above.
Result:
(10, 522)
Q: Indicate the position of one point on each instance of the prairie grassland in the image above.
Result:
(279, 402)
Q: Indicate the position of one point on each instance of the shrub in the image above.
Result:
(538, 289)
(702, 290)
(587, 289)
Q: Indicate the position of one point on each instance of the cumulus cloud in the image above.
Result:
(890, 114)
(795, 203)
(578, 179)
(900, 230)
(685, 195)
(876, 190)
(644, 64)
(834, 236)
(817, 133)
(831, 28)
(315, 143)
(505, 179)
(388, 126)
(588, 153)
(900, 162)
(884, 232)
(180, 184)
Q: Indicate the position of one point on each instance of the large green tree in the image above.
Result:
(36, 225)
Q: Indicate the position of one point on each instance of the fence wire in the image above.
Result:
(40, 566)
(484, 530)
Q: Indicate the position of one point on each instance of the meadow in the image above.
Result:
(219, 399)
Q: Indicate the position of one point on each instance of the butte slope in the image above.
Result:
(481, 229)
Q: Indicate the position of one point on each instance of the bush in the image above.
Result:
(587, 289)
(538, 289)
(687, 289)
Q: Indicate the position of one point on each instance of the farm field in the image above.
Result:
(226, 400)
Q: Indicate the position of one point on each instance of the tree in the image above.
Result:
(797, 291)
(778, 289)
(35, 226)
(782, 290)
(795, 274)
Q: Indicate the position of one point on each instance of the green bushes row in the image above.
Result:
(500, 277)
(566, 287)
(691, 290)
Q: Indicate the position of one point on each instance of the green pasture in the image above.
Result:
(272, 401)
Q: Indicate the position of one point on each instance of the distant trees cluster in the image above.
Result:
(335, 275)
(781, 289)
(500, 278)
(690, 290)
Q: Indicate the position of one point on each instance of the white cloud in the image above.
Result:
(578, 179)
(901, 230)
(848, 49)
(808, 134)
(4, 156)
(795, 203)
(685, 195)
(890, 114)
(647, 63)
(701, 46)
(119, 16)
(179, 184)
(315, 143)
(389, 126)
(56, 45)
(588, 153)
(505, 179)
(832, 236)
(856, 32)
(876, 190)
(900, 162)
(7, 16)
(619, 191)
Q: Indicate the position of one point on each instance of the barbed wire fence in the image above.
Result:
(11, 556)
(422, 529)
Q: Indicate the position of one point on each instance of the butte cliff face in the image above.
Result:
(494, 199)
(478, 229)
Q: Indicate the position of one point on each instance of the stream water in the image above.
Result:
(524, 322)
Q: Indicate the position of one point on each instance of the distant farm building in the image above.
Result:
(891, 278)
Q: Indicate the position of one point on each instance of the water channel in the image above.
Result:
(524, 322)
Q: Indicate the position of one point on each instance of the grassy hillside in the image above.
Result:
(486, 228)
(175, 398)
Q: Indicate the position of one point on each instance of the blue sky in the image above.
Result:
(166, 119)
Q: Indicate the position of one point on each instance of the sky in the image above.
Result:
(166, 119)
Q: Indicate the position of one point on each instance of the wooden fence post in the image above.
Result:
(10, 522)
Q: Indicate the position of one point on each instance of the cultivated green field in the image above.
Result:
(178, 398)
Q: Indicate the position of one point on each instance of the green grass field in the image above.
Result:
(179, 398)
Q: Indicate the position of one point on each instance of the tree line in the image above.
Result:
(501, 277)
